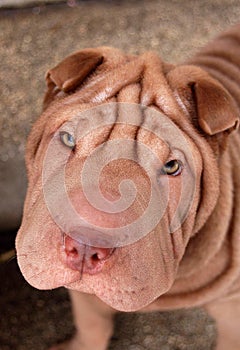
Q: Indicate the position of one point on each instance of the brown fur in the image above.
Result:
(199, 264)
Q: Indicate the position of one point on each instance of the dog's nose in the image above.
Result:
(85, 258)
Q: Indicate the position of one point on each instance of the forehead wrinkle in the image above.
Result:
(160, 148)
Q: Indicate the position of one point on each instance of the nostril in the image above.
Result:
(70, 247)
(95, 257)
(85, 258)
(73, 252)
(97, 254)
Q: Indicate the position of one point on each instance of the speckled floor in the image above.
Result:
(32, 319)
(33, 40)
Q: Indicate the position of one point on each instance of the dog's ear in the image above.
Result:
(70, 73)
(208, 102)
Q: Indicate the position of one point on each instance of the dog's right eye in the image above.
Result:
(67, 139)
(173, 168)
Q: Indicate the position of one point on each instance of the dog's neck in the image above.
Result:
(220, 59)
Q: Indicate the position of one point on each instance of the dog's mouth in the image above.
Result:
(84, 258)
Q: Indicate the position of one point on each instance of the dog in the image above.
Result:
(133, 188)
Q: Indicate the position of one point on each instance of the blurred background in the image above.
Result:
(34, 36)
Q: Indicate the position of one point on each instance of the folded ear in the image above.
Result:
(205, 98)
(70, 73)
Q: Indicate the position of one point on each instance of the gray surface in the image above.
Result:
(33, 40)
(33, 320)
(24, 3)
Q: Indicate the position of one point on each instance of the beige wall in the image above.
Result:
(19, 3)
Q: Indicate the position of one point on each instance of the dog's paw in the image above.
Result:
(67, 345)
(72, 344)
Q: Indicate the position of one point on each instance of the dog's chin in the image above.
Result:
(131, 278)
(128, 282)
(119, 297)
(124, 287)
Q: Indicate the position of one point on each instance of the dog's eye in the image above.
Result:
(173, 167)
(67, 139)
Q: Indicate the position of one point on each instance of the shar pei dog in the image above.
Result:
(134, 189)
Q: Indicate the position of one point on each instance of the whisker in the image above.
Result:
(26, 254)
(14, 257)
(37, 274)
(45, 271)
(7, 256)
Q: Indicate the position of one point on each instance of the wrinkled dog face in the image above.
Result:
(114, 165)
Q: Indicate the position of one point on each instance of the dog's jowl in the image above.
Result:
(134, 189)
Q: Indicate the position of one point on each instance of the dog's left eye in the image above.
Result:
(173, 168)
(67, 139)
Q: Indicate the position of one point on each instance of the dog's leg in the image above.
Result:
(93, 321)
(227, 316)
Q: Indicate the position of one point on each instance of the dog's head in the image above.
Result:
(123, 171)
